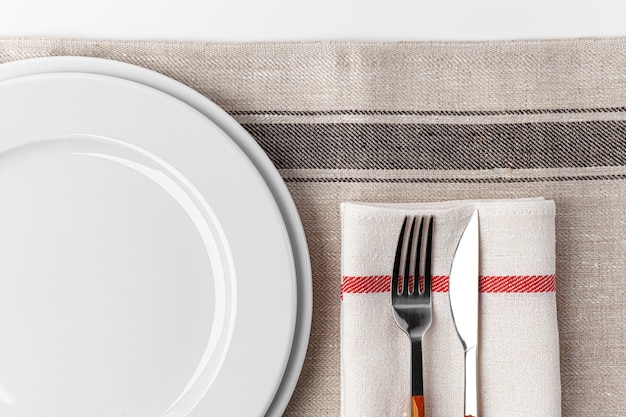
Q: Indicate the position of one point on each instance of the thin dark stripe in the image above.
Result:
(425, 112)
(417, 180)
(443, 146)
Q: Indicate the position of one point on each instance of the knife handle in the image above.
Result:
(471, 382)
(417, 406)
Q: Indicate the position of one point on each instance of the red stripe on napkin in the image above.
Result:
(488, 284)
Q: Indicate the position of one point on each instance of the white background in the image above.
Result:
(256, 20)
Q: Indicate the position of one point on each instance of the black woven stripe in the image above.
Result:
(426, 112)
(443, 146)
(428, 180)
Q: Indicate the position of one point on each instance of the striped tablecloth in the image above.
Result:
(424, 121)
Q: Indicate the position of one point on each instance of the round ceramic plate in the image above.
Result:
(153, 261)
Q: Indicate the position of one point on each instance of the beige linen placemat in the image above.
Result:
(397, 122)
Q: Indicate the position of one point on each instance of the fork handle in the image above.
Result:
(417, 368)
(417, 406)
(417, 378)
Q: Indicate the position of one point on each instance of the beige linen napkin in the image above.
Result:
(518, 336)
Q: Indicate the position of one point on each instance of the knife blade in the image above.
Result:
(463, 295)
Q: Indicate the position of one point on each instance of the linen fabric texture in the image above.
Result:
(518, 353)
(425, 122)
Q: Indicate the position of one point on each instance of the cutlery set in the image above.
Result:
(412, 305)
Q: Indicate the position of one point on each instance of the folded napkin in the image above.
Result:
(518, 336)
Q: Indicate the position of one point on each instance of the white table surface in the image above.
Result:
(268, 20)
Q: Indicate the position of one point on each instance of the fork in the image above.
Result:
(412, 307)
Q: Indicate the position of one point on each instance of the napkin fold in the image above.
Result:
(519, 372)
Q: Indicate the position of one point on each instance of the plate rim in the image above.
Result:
(254, 153)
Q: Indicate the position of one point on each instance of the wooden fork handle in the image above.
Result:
(417, 406)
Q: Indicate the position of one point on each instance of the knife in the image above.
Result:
(463, 294)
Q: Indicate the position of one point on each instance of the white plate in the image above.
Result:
(153, 263)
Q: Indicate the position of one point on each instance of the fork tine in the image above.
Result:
(398, 259)
(418, 255)
(428, 258)
(407, 260)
